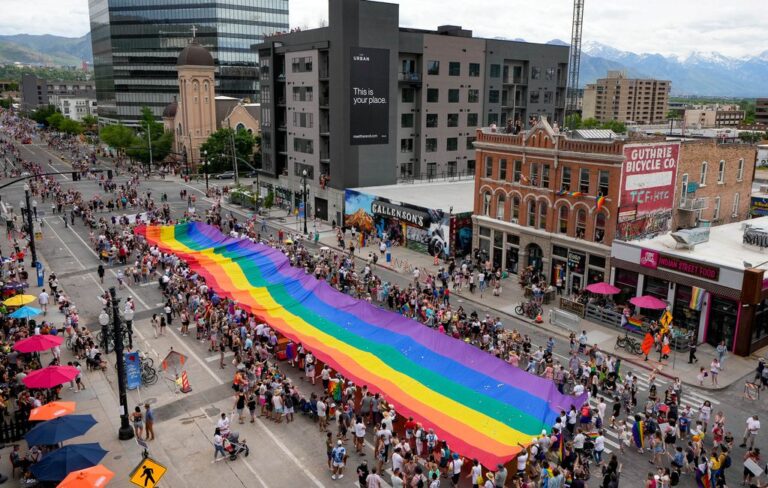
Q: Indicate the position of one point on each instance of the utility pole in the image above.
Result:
(205, 163)
(304, 194)
(30, 229)
(125, 432)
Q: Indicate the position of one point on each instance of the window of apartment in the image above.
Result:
(562, 219)
(433, 67)
(302, 93)
(721, 172)
(454, 68)
(487, 203)
(502, 169)
(517, 170)
(406, 120)
(408, 95)
(735, 209)
(545, 176)
(716, 211)
(452, 168)
(473, 95)
(302, 119)
(531, 213)
(565, 181)
(547, 96)
(581, 223)
(406, 169)
(534, 175)
(472, 120)
(603, 179)
(452, 144)
(406, 145)
(740, 171)
(493, 96)
(549, 74)
(470, 143)
(432, 120)
(599, 226)
(266, 96)
(431, 170)
(453, 95)
(453, 120)
(433, 95)
(501, 200)
(515, 210)
(495, 71)
(584, 180)
(299, 168)
(488, 167)
(301, 64)
(430, 145)
(470, 166)
(474, 69)
(534, 97)
(703, 178)
(683, 188)
(535, 73)
(541, 222)
(493, 118)
(303, 145)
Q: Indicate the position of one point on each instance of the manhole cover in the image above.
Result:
(212, 411)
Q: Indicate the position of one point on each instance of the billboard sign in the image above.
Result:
(654, 259)
(759, 206)
(132, 370)
(369, 96)
(648, 177)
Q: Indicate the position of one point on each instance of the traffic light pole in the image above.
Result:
(125, 432)
(31, 230)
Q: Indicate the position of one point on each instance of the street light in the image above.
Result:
(125, 432)
(205, 161)
(128, 316)
(104, 321)
(304, 194)
(29, 227)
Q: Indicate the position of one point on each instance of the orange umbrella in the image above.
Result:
(95, 477)
(52, 410)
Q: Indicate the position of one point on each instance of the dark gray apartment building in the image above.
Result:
(364, 102)
(136, 43)
(37, 91)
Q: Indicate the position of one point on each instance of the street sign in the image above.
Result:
(148, 473)
(666, 318)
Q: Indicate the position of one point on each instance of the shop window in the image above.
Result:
(684, 317)
(760, 324)
(656, 287)
(562, 219)
(565, 181)
(581, 223)
(487, 203)
(542, 221)
(501, 200)
(600, 227)
(722, 321)
(626, 281)
(498, 249)
(531, 213)
(515, 210)
(513, 257)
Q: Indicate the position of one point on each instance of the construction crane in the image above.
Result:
(574, 58)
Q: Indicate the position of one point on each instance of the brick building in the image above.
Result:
(714, 183)
(536, 203)
(616, 97)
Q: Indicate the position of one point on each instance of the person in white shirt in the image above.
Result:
(522, 460)
(455, 467)
(750, 433)
(359, 434)
(578, 441)
(223, 425)
(42, 298)
(599, 447)
(397, 459)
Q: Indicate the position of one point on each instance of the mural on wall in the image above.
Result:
(425, 230)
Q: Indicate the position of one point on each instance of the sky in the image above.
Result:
(676, 27)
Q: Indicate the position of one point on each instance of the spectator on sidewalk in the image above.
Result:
(750, 433)
(149, 417)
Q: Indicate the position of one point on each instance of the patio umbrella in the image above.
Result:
(95, 477)
(648, 301)
(52, 410)
(56, 465)
(38, 343)
(26, 313)
(19, 300)
(603, 289)
(59, 429)
(50, 376)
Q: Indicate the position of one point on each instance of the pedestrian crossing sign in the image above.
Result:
(666, 318)
(148, 473)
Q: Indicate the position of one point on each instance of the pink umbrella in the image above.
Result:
(648, 301)
(38, 343)
(50, 376)
(603, 289)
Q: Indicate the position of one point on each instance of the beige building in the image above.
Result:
(198, 112)
(713, 116)
(629, 100)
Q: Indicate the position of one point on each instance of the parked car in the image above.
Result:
(227, 175)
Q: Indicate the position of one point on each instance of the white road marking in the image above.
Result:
(216, 357)
(64, 243)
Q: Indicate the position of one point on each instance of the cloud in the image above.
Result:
(60, 17)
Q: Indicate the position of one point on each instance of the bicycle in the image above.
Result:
(109, 345)
(529, 309)
(628, 343)
(148, 373)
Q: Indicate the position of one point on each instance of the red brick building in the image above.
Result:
(536, 203)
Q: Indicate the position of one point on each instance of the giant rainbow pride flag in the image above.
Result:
(481, 405)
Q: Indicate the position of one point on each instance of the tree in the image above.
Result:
(41, 114)
(219, 148)
(573, 121)
(55, 120)
(90, 121)
(269, 200)
(590, 123)
(151, 132)
(70, 126)
(7, 103)
(615, 126)
(118, 136)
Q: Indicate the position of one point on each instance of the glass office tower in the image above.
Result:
(136, 43)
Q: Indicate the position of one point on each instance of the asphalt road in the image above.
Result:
(282, 455)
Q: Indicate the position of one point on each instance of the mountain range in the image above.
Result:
(698, 73)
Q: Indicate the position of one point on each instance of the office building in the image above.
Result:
(38, 91)
(136, 44)
(364, 102)
(628, 100)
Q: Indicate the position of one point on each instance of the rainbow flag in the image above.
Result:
(478, 403)
(697, 298)
(600, 202)
(638, 434)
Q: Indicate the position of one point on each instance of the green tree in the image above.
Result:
(590, 123)
(573, 121)
(90, 122)
(269, 200)
(41, 114)
(55, 120)
(7, 103)
(70, 126)
(118, 136)
(151, 132)
(615, 126)
(219, 148)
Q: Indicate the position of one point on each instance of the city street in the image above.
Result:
(281, 455)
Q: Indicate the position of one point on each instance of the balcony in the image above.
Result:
(409, 77)
(691, 204)
(516, 80)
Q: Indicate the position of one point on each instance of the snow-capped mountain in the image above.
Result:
(698, 73)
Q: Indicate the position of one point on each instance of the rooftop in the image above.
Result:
(438, 196)
(724, 248)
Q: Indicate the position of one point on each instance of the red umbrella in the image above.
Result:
(50, 376)
(603, 289)
(648, 301)
(38, 343)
